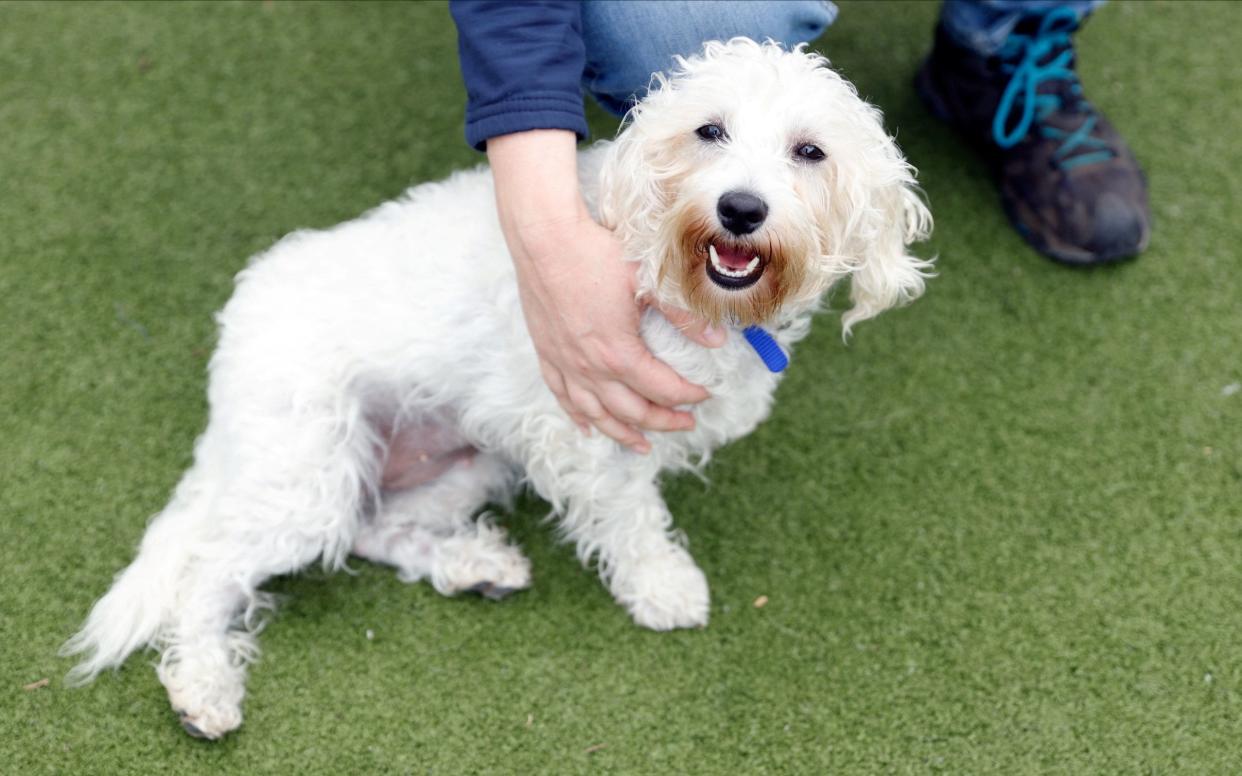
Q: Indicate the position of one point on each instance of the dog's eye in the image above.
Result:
(712, 133)
(810, 153)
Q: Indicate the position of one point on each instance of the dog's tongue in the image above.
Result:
(732, 258)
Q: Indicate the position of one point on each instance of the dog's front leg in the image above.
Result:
(648, 571)
(613, 511)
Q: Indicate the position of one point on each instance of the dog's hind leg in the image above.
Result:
(430, 531)
(203, 668)
(289, 491)
(218, 612)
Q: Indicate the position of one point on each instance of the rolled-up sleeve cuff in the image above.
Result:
(519, 114)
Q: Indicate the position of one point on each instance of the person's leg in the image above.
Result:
(626, 41)
(1002, 73)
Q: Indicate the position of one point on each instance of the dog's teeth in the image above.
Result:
(733, 273)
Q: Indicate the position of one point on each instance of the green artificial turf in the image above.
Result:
(999, 532)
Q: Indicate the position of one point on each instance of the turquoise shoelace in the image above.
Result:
(1029, 51)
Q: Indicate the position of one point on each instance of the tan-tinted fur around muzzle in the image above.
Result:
(785, 269)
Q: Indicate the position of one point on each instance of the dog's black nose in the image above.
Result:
(740, 212)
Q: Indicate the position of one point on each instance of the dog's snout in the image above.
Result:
(741, 212)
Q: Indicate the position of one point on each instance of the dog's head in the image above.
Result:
(752, 178)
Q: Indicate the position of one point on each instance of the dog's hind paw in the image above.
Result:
(207, 700)
(492, 591)
(209, 723)
(482, 564)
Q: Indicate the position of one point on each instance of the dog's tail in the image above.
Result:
(137, 609)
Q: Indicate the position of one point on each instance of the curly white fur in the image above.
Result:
(402, 329)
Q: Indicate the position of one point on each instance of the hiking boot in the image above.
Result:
(1069, 183)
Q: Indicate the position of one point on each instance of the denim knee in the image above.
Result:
(626, 41)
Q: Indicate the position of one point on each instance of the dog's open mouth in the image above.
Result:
(733, 267)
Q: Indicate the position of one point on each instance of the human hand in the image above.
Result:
(578, 297)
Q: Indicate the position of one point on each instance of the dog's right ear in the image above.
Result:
(627, 196)
(638, 162)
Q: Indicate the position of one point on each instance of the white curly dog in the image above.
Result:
(747, 182)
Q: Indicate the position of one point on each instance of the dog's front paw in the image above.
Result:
(664, 591)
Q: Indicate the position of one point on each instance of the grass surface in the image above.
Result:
(999, 532)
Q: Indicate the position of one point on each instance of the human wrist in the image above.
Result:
(536, 179)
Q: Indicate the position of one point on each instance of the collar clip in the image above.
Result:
(773, 357)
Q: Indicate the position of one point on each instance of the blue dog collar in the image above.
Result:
(773, 357)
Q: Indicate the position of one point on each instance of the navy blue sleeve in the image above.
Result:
(522, 63)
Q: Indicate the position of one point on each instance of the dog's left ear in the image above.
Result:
(886, 275)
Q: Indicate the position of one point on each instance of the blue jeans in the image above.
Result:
(627, 40)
